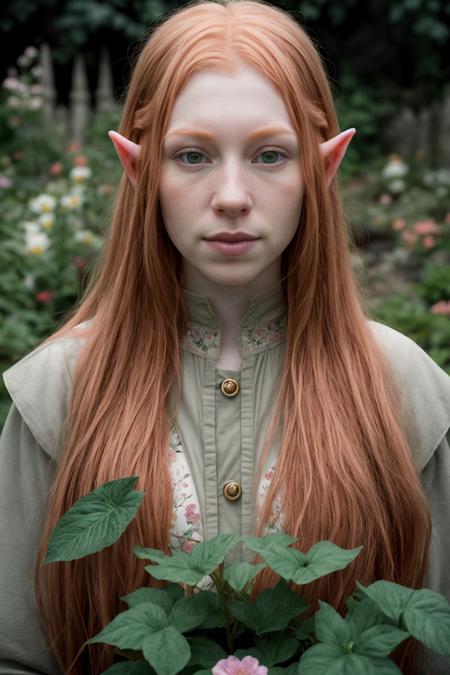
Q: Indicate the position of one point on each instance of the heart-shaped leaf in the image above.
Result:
(325, 659)
(425, 614)
(379, 640)
(239, 574)
(159, 596)
(167, 651)
(272, 610)
(95, 521)
(129, 629)
(205, 652)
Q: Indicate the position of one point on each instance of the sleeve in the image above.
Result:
(436, 482)
(26, 471)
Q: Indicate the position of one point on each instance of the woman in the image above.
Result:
(182, 349)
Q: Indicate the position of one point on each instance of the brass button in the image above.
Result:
(232, 490)
(229, 387)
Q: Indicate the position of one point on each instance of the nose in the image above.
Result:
(231, 193)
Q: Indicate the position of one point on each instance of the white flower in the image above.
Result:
(35, 103)
(85, 236)
(31, 52)
(47, 220)
(23, 60)
(14, 102)
(395, 168)
(397, 185)
(28, 282)
(11, 83)
(36, 243)
(70, 201)
(31, 227)
(79, 190)
(36, 71)
(36, 89)
(80, 173)
(43, 203)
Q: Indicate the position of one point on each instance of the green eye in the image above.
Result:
(273, 153)
(191, 152)
(197, 157)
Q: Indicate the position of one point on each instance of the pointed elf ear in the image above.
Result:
(128, 153)
(333, 152)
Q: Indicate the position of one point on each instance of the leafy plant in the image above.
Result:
(186, 627)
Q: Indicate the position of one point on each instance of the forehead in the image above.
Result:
(244, 99)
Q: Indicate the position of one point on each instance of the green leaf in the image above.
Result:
(129, 668)
(305, 629)
(188, 613)
(293, 565)
(188, 568)
(276, 649)
(272, 542)
(207, 555)
(150, 554)
(391, 598)
(215, 617)
(95, 521)
(175, 591)
(167, 651)
(175, 568)
(158, 596)
(364, 614)
(379, 640)
(330, 627)
(325, 659)
(322, 559)
(205, 652)
(129, 629)
(239, 574)
(271, 611)
(425, 614)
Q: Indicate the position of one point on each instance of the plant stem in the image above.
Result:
(229, 619)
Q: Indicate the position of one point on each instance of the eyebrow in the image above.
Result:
(254, 136)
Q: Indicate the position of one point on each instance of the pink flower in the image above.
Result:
(441, 307)
(5, 182)
(234, 666)
(426, 227)
(45, 296)
(192, 516)
(409, 237)
(188, 546)
(429, 241)
(385, 198)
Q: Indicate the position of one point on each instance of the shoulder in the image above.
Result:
(39, 385)
(424, 388)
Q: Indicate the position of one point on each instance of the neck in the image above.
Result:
(230, 302)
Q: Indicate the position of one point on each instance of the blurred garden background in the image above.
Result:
(64, 76)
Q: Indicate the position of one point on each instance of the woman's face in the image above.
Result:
(231, 178)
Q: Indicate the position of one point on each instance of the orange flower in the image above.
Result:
(80, 160)
(398, 224)
(55, 169)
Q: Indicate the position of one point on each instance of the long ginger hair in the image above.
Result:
(344, 467)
